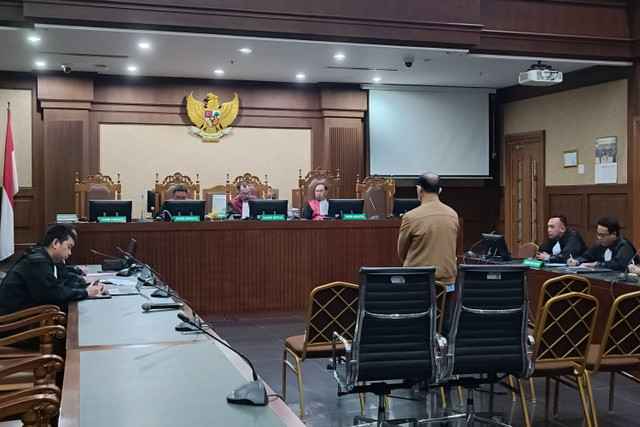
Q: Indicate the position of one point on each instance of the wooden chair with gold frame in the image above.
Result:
(553, 287)
(562, 337)
(258, 188)
(207, 193)
(307, 185)
(377, 193)
(165, 188)
(527, 250)
(37, 406)
(94, 187)
(562, 285)
(332, 307)
(619, 351)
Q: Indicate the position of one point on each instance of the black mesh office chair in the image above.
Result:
(395, 336)
(488, 339)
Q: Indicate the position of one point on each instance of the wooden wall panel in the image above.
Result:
(25, 216)
(583, 205)
(63, 154)
(29, 201)
(345, 147)
(478, 205)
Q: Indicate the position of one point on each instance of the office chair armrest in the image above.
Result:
(346, 359)
(531, 346)
(441, 362)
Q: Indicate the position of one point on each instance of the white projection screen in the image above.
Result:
(441, 130)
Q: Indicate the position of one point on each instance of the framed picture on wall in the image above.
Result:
(571, 159)
(606, 156)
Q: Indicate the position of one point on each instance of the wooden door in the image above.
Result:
(524, 184)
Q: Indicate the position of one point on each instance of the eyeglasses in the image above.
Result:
(602, 235)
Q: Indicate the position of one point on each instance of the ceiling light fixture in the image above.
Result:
(245, 50)
(132, 68)
(376, 79)
(40, 64)
(33, 39)
(144, 45)
(218, 72)
(300, 76)
(339, 56)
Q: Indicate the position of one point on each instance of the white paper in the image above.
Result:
(606, 173)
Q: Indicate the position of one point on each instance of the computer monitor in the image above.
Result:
(268, 207)
(337, 207)
(133, 247)
(185, 207)
(402, 206)
(495, 246)
(219, 204)
(109, 208)
(151, 201)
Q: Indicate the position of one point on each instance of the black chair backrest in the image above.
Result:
(488, 333)
(395, 329)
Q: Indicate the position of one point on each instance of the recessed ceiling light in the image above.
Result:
(132, 68)
(218, 72)
(33, 39)
(245, 50)
(376, 79)
(339, 56)
(40, 64)
(144, 45)
(300, 76)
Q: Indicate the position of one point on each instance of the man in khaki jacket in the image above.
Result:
(429, 232)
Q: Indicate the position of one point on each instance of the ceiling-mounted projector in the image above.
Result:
(540, 75)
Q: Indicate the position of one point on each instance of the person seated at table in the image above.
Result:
(271, 195)
(180, 192)
(40, 278)
(319, 207)
(562, 242)
(613, 251)
(239, 205)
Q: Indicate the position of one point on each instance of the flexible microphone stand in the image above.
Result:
(252, 393)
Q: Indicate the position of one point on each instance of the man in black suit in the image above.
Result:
(562, 243)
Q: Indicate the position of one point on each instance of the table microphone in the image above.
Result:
(625, 276)
(103, 254)
(161, 305)
(253, 393)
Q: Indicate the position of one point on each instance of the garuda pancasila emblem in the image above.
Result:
(212, 121)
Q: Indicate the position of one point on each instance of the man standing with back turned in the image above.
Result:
(429, 232)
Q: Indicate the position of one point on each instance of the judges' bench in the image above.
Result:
(234, 267)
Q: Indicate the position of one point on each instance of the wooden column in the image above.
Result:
(65, 102)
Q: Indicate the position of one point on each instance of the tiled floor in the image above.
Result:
(262, 341)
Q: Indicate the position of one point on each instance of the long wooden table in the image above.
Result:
(128, 367)
(603, 286)
(240, 267)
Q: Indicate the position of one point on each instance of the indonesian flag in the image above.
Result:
(9, 189)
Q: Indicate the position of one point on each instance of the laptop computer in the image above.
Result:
(125, 290)
(144, 278)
